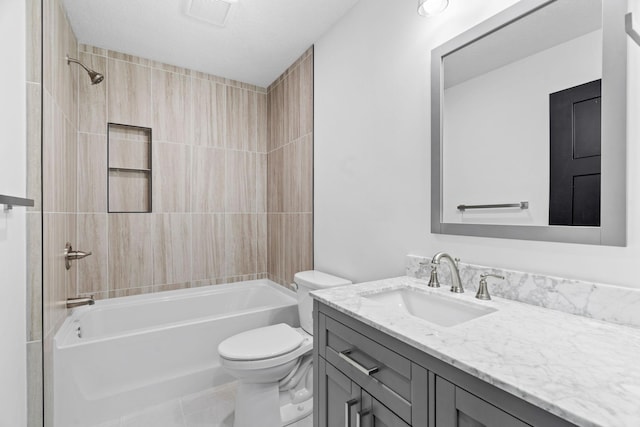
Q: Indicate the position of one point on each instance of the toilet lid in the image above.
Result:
(261, 343)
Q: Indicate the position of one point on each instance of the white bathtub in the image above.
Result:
(143, 350)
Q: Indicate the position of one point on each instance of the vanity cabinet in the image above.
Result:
(366, 378)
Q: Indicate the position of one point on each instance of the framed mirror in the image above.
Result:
(528, 125)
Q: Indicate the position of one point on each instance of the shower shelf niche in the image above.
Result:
(129, 170)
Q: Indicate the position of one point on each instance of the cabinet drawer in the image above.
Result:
(383, 373)
(456, 407)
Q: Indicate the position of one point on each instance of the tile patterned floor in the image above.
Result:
(210, 408)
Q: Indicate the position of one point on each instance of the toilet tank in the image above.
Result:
(309, 281)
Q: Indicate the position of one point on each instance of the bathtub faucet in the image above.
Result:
(77, 302)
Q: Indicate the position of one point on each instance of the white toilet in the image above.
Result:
(273, 364)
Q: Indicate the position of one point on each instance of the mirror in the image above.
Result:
(529, 125)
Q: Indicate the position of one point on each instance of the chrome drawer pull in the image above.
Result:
(344, 355)
(359, 416)
(347, 411)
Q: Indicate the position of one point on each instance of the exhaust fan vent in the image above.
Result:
(214, 12)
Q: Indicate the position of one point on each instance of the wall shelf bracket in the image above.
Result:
(632, 28)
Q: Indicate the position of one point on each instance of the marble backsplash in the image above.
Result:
(594, 300)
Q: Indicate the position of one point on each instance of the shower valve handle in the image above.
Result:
(70, 255)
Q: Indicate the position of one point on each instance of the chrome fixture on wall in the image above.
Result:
(70, 255)
(93, 75)
(431, 7)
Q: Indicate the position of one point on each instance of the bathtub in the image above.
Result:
(123, 354)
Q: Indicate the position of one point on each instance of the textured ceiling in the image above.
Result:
(261, 38)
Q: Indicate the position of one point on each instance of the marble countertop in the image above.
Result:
(583, 370)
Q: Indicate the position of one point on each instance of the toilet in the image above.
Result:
(273, 364)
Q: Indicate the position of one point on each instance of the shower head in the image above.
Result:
(93, 75)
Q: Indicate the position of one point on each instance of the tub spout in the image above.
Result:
(77, 302)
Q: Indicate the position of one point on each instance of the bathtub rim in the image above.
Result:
(76, 314)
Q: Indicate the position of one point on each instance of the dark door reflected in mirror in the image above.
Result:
(575, 151)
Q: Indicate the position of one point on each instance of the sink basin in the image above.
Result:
(430, 307)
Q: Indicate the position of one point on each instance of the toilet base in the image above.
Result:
(264, 405)
(293, 412)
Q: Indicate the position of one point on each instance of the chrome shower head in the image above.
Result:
(93, 75)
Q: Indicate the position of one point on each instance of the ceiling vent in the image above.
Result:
(213, 12)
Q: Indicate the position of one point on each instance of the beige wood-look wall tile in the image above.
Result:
(171, 99)
(171, 249)
(65, 87)
(276, 117)
(306, 154)
(298, 243)
(262, 243)
(262, 124)
(34, 144)
(275, 245)
(34, 276)
(47, 44)
(33, 40)
(47, 377)
(71, 275)
(209, 113)
(92, 173)
(137, 60)
(129, 94)
(208, 180)
(54, 155)
(70, 168)
(241, 244)
(208, 247)
(306, 96)
(275, 180)
(292, 106)
(130, 251)
(241, 182)
(129, 292)
(242, 119)
(171, 287)
(93, 98)
(128, 154)
(128, 191)
(93, 270)
(171, 177)
(291, 185)
(54, 274)
(34, 384)
(261, 183)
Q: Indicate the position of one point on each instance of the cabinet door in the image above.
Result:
(456, 407)
(375, 414)
(338, 397)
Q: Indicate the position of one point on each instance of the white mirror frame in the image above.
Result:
(613, 222)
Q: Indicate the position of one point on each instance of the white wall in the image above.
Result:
(12, 225)
(496, 133)
(372, 153)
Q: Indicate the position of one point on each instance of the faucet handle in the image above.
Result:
(433, 280)
(483, 289)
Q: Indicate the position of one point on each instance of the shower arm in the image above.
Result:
(75, 61)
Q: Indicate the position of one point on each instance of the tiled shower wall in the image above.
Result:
(34, 215)
(209, 159)
(58, 202)
(290, 171)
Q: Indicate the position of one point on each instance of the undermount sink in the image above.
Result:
(430, 306)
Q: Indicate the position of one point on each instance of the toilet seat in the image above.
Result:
(265, 347)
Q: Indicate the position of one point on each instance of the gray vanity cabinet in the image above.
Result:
(345, 403)
(366, 378)
(456, 407)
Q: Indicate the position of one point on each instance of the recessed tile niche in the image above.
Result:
(129, 169)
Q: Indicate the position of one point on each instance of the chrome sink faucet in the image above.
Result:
(456, 286)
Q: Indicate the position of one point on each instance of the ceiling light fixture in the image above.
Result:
(431, 7)
(214, 12)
